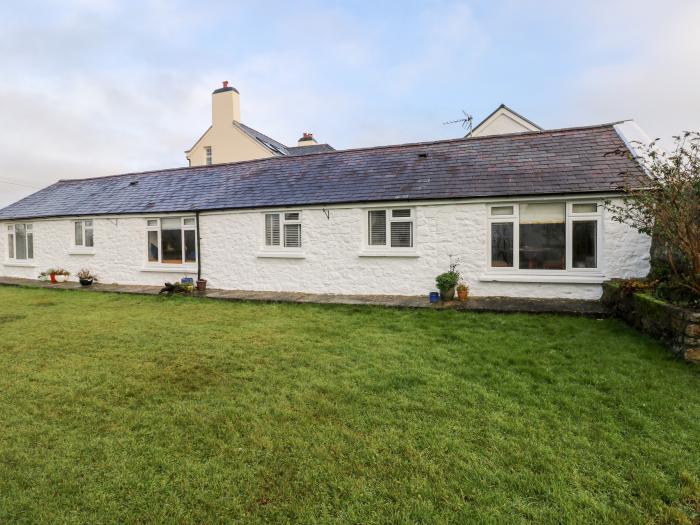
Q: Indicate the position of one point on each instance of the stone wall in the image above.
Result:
(678, 328)
(333, 258)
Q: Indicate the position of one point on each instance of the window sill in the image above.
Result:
(20, 264)
(568, 278)
(170, 268)
(280, 255)
(81, 251)
(388, 253)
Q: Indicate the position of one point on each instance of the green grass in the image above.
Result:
(122, 409)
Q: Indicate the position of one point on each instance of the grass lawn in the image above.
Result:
(127, 409)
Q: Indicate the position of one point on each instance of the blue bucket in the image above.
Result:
(434, 297)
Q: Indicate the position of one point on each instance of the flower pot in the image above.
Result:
(86, 282)
(462, 295)
(434, 297)
(60, 278)
(52, 277)
(201, 285)
(448, 295)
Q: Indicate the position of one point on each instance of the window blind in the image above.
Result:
(292, 235)
(377, 227)
(401, 234)
(272, 229)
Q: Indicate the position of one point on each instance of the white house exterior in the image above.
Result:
(306, 224)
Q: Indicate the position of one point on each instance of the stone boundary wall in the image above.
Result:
(678, 328)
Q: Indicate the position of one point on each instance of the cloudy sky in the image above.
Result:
(95, 87)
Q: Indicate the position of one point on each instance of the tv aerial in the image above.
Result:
(465, 121)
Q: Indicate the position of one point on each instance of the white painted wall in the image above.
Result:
(332, 263)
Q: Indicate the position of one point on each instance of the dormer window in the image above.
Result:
(207, 152)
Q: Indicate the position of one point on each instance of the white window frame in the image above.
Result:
(280, 250)
(374, 250)
(83, 227)
(183, 228)
(570, 218)
(12, 230)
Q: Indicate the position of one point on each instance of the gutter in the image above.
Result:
(199, 252)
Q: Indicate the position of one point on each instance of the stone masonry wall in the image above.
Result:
(678, 328)
(333, 258)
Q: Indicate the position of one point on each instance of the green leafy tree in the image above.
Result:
(665, 204)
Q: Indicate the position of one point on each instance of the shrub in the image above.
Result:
(665, 204)
(447, 280)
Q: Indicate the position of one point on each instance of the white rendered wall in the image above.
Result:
(332, 263)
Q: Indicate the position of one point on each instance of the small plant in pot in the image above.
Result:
(462, 291)
(86, 278)
(447, 282)
(58, 275)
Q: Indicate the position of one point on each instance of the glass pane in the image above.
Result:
(502, 244)
(400, 213)
(292, 235)
(502, 210)
(542, 236)
(172, 223)
(584, 240)
(585, 208)
(21, 241)
(401, 234)
(88, 238)
(291, 216)
(153, 222)
(30, 245)
(171, 246)
(11, 245)
(78, 233)
(153, 246)
(189, 222)
(377, 228)
(88, 224)
(190, 246)
(272, 229)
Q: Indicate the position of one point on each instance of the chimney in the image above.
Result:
(307, 140)
(225, 106)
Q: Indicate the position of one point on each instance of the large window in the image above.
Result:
(544, 236)
(84, 237)
(390, 228)
(172, 240)
(20, 242)
(283, 230)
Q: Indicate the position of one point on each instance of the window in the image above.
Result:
(207, 153)
(20, 242)
(84, 234)
(283, 230)
(172, 240)
(542, 232)
(392, 228)
(544, 236)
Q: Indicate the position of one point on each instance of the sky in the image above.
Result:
(98, 87)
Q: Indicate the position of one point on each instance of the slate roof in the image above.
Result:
(567, 161)
(306, 150)
(279, 148)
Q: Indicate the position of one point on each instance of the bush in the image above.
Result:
(447, 280)
(664, 203)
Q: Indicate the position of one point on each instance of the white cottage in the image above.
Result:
(523, 213)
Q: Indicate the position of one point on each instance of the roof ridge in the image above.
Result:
(283, 158)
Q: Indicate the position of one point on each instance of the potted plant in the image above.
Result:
(86, 278)
(462, 291)
(447, 282)
(201, 285)
(59, 275)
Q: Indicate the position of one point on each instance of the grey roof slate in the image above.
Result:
(307, 150)
(575, 160)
